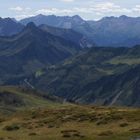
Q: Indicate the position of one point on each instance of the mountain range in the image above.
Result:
(101, 76)
(102, 32)
(9, 26)
(99, 33)
(32, 49)
(69, 34)
(61, 56)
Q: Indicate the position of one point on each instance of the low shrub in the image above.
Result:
(106, 133)
(32, 134)
(12, 127)
(123, 124)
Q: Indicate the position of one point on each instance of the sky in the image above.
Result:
(87, 9)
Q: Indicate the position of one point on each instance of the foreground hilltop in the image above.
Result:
(32, 115)
(14, 98)
(72, 122)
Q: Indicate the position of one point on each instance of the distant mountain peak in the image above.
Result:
(7, 20)
(31, 25)
(124, 17)
(112, 17)
(40, 15)
(108, 18)
(77, 18)
(31, 29)
(8, 27)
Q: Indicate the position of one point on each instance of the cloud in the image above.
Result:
(136, 8)
(22, 12)
(18, 17)
(54, 11)
(89, 11)
(108, 7)
(99, 9)
(67, 0)
(18, 8)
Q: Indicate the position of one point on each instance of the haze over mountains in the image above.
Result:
(76, 60)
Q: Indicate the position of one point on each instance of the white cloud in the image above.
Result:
(67, 0)
(22, 12)
(99, 9)
(136, 8)
(54, 11)
(92, 10)
(18, 8)
(18, 17)
(108, 7)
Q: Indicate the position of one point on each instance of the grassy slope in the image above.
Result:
(41, 119)
(73, 123)
(74, 78)
(20, 98)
